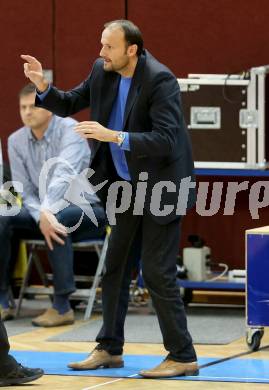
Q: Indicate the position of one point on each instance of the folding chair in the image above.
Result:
(99, 245)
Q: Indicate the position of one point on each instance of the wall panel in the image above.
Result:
(204, 36)
(25, 28)
(78, 27)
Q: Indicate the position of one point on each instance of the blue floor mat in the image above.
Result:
(234, 370)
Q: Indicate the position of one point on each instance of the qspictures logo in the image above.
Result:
(76, 189)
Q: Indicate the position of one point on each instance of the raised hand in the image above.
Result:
(33, 71)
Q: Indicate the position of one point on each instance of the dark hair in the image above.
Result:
(132, 33)
(27, 90)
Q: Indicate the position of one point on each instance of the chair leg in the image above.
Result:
(98, 250)
(40, 270)
(96, 279)
(11, 299)
(25, 281)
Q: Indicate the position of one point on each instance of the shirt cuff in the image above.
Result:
(126, 143)
(43, 94)
(35, 214)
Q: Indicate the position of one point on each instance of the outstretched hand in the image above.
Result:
(34, 72)
(94, 130)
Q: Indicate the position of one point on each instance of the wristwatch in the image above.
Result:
(121, 137)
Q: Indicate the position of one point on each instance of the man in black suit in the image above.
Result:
(11, 372)
(141, 147)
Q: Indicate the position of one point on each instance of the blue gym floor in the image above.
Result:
(232, 370)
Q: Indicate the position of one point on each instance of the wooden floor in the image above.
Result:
(36, 341)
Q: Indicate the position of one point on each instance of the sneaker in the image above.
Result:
(19, 375)
(51, 318)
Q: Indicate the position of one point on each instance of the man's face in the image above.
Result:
(34, 117)
(114, 50)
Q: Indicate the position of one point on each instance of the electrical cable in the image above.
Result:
(226, 268)
(242, 75)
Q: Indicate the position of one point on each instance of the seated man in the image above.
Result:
(46, 214)
(11, 372)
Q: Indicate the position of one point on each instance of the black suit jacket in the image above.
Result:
(159, 141)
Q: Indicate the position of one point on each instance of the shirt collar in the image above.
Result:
(47, 134)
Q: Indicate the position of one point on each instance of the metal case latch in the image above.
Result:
(248, 118)
(205, 118)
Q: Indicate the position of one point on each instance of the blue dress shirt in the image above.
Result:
(116, 123)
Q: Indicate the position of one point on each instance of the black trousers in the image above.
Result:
(160, 245)
(7, 362)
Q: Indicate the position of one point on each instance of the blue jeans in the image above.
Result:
(23, 226)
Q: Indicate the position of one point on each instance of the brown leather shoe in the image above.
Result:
(51, 318)
(7, 314)
(170, 368)
(98, 358)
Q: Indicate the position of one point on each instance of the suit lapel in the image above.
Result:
(108, 94)
(135, 87)
(105, 100)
